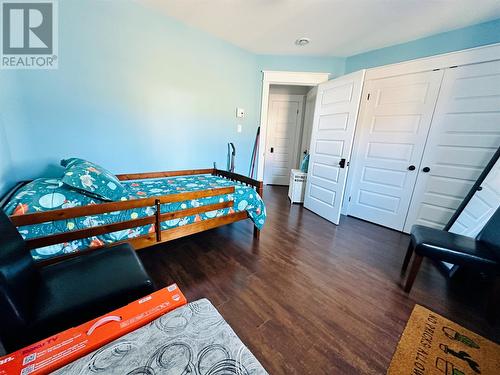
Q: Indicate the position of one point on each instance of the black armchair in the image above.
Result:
(36, 302)
(482, 253)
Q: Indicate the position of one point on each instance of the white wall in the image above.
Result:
(288, 90)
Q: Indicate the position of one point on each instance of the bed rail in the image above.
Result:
(239, 178)
(255, 184)
(258, 185)
(156, 219)
(150, 239)
(7, 197)
(121, 225)
(102, 208)
(147, 175)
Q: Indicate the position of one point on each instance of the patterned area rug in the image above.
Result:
(193, 339)
(433, 345)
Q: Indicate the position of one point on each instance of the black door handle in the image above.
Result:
(342, 163)
(411, 168)
(272, 150)
(426, 169)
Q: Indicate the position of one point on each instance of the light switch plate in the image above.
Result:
(240, 112)
(239, 128)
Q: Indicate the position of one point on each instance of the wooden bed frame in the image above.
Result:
(150, 239)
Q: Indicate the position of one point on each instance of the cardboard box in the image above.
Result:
(65, 347)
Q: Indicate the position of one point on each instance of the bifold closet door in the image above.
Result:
(335, 115)
(396, 117)
(481, 207)
(464, 135)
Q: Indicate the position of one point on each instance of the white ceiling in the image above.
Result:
(336, 27)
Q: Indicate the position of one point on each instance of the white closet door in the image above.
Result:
(392, 133)
(465, 134)
(481, 207)
(335, 118)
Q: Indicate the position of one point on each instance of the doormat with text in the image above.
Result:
(433, 345)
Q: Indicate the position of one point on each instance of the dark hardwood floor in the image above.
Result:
(311, 297)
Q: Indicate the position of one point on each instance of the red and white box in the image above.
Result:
(58, 350)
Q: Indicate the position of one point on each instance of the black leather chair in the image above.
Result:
(481, 253)
(36, 302)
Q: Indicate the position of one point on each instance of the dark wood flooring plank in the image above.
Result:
(311, 297)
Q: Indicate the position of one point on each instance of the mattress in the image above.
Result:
(46, 194)
(193, 339)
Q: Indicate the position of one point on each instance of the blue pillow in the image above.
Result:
(93, 180)
(69, 162)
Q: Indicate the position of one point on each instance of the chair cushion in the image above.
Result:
(453, 248)
(82, 288)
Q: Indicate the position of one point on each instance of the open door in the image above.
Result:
(335, 116)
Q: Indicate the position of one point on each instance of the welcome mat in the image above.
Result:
(433, 345)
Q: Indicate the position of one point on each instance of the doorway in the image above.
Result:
(285, 132)
(298, 80)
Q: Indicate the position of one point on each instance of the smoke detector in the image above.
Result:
(302, 41)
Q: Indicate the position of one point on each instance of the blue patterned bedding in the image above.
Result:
(45, 194)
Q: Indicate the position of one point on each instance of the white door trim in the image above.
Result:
(298, 130)
(280, 78)
(468, 56)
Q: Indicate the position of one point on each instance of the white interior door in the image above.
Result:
(283, 135)
(396, 117)
(465, 134)
(335, 116)
(481, 207)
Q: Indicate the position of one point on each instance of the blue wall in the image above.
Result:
(333, 65)
(7, 175)
(138, 91)
(135, 91)
(467, 37)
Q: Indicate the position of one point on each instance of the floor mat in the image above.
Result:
(434, 345)
(193, 339)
